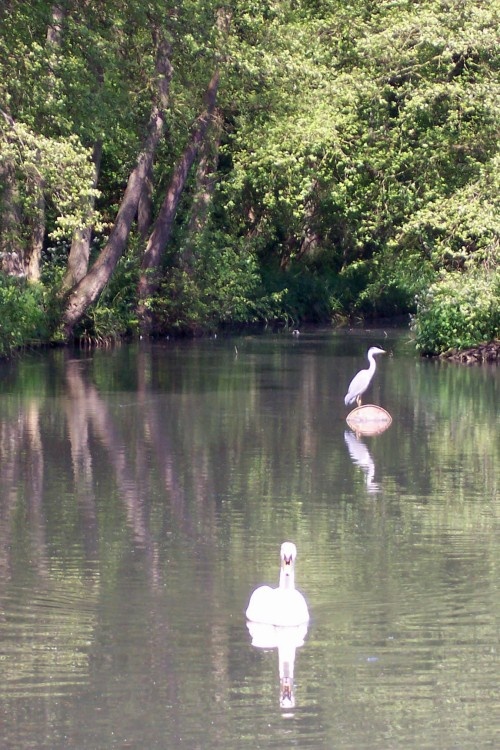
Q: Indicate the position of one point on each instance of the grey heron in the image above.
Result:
(362, 379)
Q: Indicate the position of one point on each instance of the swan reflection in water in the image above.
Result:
(361, 456)
(278, 618)
(286, 640)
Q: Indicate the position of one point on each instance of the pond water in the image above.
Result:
(145, 492)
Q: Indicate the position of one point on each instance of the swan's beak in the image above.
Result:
(287, 564)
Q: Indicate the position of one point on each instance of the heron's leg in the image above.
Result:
(358, 400)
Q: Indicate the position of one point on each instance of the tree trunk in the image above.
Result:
(205, 185)
(11, 244)
(36, 223)
(78, 259)
(162, 229)
(20, 253)
(90, 287)
(54, 31)
(145, 208)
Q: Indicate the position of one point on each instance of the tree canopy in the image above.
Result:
(185, 165)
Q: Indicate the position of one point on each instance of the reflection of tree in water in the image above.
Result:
(159, 496)
(52, 619)
(92, 415)
(21, 478)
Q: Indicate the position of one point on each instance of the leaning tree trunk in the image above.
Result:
(145, 208)
(162, 229)
(90, 287)
(204, 190)
(79, 253)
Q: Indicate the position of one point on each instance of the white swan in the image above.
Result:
(284, 606)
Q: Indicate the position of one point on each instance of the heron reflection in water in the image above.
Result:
(362, 379)
(361, 456)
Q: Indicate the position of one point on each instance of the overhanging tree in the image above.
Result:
(92, 284)
(162, 228)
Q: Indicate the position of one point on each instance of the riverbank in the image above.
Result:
(489, 352)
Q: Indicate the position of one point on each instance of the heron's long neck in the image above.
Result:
(372, 362)
(287, 578)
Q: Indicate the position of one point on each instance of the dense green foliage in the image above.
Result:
(23, 316)
(354, 157)
(458, 311)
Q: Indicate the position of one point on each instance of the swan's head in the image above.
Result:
(375, 350)
(288, 555)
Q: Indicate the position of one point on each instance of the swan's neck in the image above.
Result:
(287, 577)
